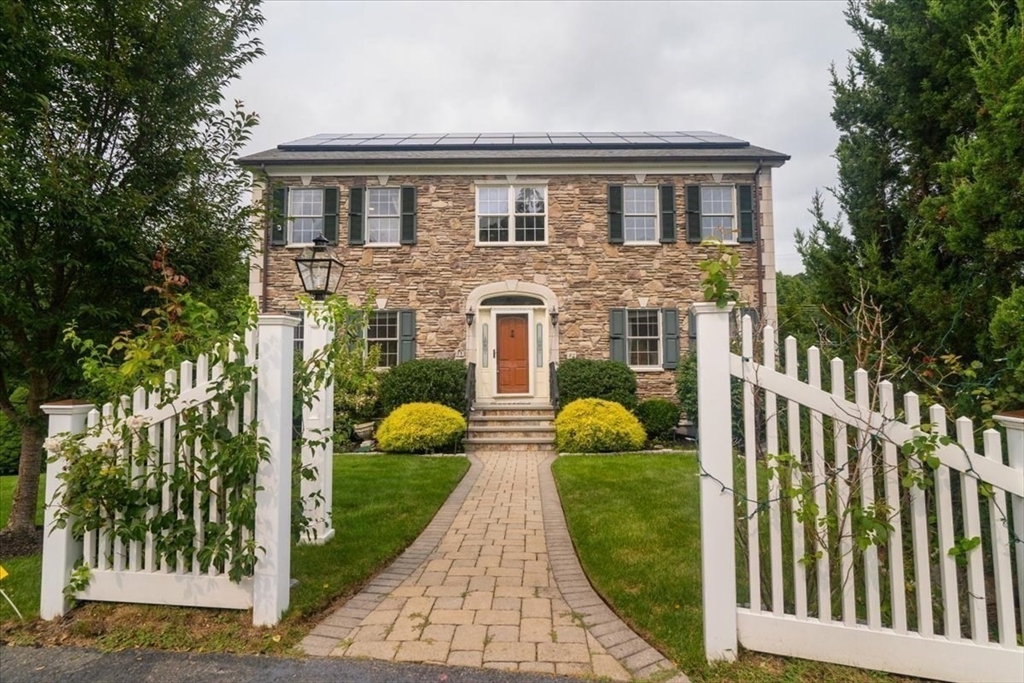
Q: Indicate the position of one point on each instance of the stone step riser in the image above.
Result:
(509, 448)
(541, 414)
(505, 425)
(513, 434)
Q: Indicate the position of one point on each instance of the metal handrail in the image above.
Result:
(553, 385)
(470, 388)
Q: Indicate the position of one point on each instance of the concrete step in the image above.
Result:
(477, 444)
(507, 433)
(542, 412)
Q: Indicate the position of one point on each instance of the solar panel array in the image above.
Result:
(669, 139)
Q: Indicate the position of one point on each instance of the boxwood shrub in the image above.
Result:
(593, 425)
(659, 416)
(424, 381)
(609, 380)
(420, 428)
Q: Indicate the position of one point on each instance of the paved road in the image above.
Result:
(81, 665)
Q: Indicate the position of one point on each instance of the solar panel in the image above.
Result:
(598, 139)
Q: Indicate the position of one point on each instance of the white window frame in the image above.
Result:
(397, 338)
(290, 218)
(659, 337)
(368, 217)
(511, 189)
(657, 214)
(734, 215)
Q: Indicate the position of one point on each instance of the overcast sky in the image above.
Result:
(754, 70)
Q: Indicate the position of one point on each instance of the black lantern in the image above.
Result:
(470, 317)
(554, 318)
(320, 273)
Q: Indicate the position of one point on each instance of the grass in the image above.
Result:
(381, 504)
(22, 584)
(635, 522)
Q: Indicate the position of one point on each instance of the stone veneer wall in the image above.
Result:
(587, 274)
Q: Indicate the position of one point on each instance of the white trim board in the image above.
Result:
(537, 169)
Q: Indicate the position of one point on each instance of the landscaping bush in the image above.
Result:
(686, 392)
(593, 425)
(420, 428)
(424, 381)
(10, 435)
(609, 380)
(659, 417)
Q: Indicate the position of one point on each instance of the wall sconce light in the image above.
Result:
(470, 316)
(554, 318)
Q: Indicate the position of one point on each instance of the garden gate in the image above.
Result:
(820, 578)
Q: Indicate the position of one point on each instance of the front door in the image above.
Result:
(513, 352)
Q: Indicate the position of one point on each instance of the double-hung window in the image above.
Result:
(643, 337)
(640, 214)
(383, 215)
(511, 214)
(305, 215)
(382, 333)
(718, 213)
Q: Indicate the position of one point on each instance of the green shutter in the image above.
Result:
(745, 194)
(355, 216)
(691, 326)
(406, 335)
(670, 338)
(408, 229)
(615, 233)
(693, 229)
(668, 214)
(617, 330)
(279, 218)
(331, 214)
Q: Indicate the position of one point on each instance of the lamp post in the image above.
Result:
(319, 273)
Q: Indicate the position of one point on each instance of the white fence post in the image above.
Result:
(1014, 424)
(318, 426)
(60, 549)
(274, 477)
(714, 452)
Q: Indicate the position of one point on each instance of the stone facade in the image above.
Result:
(588, 275)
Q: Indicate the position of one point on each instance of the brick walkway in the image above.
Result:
(493, 581)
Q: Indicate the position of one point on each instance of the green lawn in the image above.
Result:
(381, 503)
(635, 521)
(22, 584)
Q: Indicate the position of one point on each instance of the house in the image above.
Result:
(517, 251)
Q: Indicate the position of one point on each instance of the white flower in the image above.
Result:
(136, 422)
(53, 445)
(110, 446)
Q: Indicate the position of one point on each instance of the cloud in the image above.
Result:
(754, 70)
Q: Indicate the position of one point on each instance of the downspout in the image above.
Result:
(266, 237)
(759, 241)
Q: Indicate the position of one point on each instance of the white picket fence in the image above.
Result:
(135, 571)
(961, 622)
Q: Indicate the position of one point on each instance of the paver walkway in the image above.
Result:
(493, 581)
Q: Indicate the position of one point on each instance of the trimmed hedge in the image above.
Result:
(659, 417)
(605, 379)
(593, 425)
(420, 428)
(424, 381)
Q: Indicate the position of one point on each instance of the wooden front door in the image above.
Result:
(513, 355)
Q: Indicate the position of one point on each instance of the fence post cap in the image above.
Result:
(282, 320)
(71, 406)
(705, 307)
(1011, 420)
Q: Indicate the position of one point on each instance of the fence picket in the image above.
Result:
(103, 543)
(944, 514)
(819, 477)
(169, 451)
(1002, 570)
(215, 488)
(152, 469)
(138, 406)
(185, 383)
(866, 473)
(750, 463)
(793, 420)
(122, 412)
(897, 582)
(919, 531)
(771, 416)
(199, 465)
(846, 577)
(971, 511)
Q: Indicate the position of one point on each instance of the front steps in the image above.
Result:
(510, 427)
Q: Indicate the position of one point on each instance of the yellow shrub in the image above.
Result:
(592, 425)
(420, 428)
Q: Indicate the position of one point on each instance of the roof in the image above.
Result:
(385, 148)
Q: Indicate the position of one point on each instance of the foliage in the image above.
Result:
(585, 378)
(931, 161)
(659, 417)
(424, 381)
(10, 434)
(719, 275)
(686, 385)
(420, 428)
(593, 425)
(113, 142)
(1007, 330)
